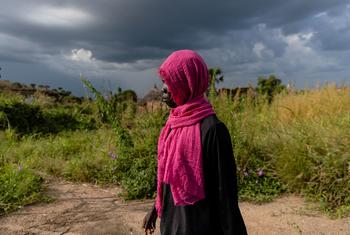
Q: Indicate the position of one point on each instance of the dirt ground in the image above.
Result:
(88, 209)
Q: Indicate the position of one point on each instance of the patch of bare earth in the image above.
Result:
(88, 209)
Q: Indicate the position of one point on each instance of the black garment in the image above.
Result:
(218, 213)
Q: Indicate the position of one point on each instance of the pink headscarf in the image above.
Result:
(179, 145)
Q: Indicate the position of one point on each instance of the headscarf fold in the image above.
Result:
(179, 145)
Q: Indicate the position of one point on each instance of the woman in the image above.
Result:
(197, 186)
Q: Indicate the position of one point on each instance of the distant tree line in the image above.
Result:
(267, 86)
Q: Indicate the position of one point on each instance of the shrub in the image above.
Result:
(28, 119)
(24, 118)
(269, 87)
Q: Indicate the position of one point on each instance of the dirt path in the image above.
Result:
(88, 209)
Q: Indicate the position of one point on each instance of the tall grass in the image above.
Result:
(78, 156)
(138, 156)
(301, 141)
(297, 143)
(19, 185)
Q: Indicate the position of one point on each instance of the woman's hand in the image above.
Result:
(149, 222)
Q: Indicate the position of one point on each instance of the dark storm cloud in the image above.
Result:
(125, 31)
(124, 38)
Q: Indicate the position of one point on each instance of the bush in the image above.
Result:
(28, 119)
(24, 118)
(269, 87)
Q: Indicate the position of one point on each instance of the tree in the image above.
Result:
(215, 76)
(65, 93)
(17, 85)
(269, 86)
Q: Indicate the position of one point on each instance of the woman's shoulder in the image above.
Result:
(210, 120)
(212, 124)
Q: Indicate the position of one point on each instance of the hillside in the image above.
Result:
(33, 90)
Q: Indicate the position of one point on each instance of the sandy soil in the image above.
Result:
(88, 209)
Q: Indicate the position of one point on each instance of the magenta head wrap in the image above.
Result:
(179, 145)
(186, 75)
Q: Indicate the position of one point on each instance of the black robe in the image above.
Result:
(218, 213)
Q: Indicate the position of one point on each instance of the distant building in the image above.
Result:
(152, 100)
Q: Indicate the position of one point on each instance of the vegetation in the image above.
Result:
(136, 136)
(57, 95)
(269, 87)
(18, 186)
(215, 77)
(24, 118)
(297, 142)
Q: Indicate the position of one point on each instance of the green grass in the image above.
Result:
(137, 151)
(18, 186)
(301, 141)
(77, 156)
(298, 143)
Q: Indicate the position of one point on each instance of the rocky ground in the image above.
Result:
(89, 209)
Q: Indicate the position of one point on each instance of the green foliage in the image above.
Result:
(243, 118)
(317, 164)
(77, 156)
(18, 186)
(128, 95)
(297, 142)
(62, 119)
(27, 119)
(111, 107)
(269, 86)
(137, 155)
(22, 117)
(215, 76)
(106, 108)
(136, 141)
(104, 156)
(253, 187)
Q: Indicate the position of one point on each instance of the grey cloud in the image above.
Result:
(124, 31)
(332, 32)
(138, 34)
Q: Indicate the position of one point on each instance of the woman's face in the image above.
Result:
(167, 97)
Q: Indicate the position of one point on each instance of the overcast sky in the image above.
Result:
(122, 42)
